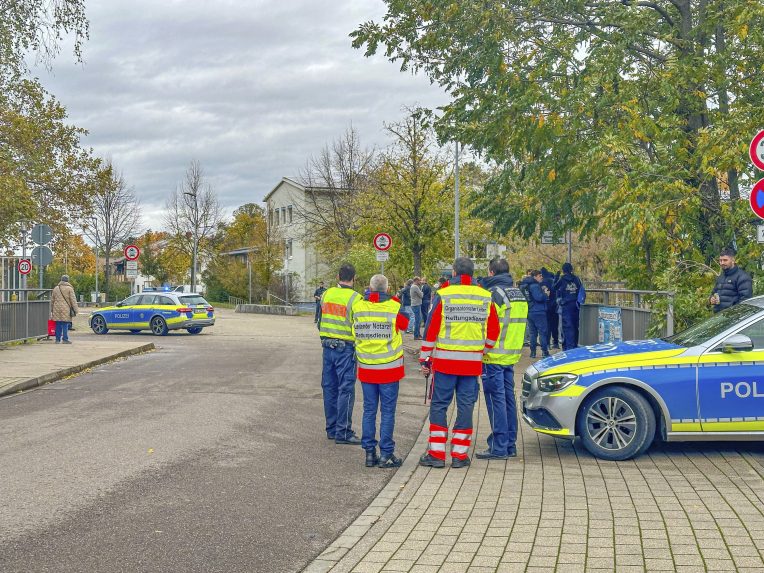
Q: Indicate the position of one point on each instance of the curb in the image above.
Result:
(60, 374)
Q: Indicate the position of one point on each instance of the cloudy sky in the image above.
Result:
(250, 88)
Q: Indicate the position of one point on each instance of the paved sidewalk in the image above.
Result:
(25, 366)
(681, 507)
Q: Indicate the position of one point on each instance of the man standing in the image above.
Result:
(317, 296)
(462, 324)
(377, 326)
(552, 318)
(426, 298)
(416, 306)
(338, 376)
(569, 293)
(63, 307)
(733, 284)
(406, 302)
(537, 324)
(498, 362)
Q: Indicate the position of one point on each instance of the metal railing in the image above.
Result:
(637, 313)
(26, 317)
(270, 295)
(234, 300)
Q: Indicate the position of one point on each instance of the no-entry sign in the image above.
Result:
(132, 252)
(756, 150)
(757, 198)
(25, 266)
(382, 241)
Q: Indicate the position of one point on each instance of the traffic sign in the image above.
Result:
(42, 234)
(42, 256)
(382, 256)
(25, 266)
(760, 233)
(131, 273)
(131, 265)
(757, 198)
(132, 252)
(382, 242)
(548, 238)
(756, 150)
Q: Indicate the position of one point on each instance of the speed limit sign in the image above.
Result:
(25, 266)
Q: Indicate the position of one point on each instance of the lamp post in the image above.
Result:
(195, 237)
(95, 229)
(456, 201)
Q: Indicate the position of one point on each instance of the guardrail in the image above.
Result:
(637, 314)
(25, 318)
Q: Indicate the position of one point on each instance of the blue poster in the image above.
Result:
(609, 324)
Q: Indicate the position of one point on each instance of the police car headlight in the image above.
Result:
(555, 382)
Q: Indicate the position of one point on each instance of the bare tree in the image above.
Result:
(332, 180)
(193, 215)
(116, 214)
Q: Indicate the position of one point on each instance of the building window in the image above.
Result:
(288, 248)
(289, 213)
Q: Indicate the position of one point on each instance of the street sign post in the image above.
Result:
(757, 199)
(756, 150)
(25, 266)
(42, 234)
(132, 252)
(548, 238)
(383, 256)
(382, 242)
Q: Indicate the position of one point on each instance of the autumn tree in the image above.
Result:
(193, 215)
(629, 119)
(116, 214)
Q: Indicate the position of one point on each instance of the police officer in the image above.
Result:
(377, 326)
(569, 292)
(499, 361)
(552, 318)
(733, 284)
(462, 324)
(338, 375)
(537, 307)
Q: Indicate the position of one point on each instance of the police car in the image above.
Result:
(158, 312)
(706, 383)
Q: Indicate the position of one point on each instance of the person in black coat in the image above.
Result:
(567, 291)
(733, 285)
(552, 318)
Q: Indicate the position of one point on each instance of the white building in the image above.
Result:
(283, 203)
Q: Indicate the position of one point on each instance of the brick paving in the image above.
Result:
(681, 507)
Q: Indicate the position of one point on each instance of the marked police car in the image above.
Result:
(706, 383)
(159, 312)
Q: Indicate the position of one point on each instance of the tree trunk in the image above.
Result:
(417, 254)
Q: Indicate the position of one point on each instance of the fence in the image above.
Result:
(26, 317)
(637, 313)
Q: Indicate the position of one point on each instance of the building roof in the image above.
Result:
(242, 251)
(289, 180)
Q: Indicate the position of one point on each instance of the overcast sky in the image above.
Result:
(250, 88)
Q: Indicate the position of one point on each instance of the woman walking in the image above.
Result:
(63, 307)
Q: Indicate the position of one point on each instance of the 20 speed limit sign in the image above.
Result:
(25, 266)
(382, 242)
(132, 252)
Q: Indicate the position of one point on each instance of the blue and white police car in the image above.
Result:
(706, 383)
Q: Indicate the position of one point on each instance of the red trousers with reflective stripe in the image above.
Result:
(461, 440)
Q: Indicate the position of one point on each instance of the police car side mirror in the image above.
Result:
(737, 343)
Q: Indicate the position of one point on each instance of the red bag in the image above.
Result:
(51, 328)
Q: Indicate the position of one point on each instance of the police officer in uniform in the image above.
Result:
(568, 290)
(462, 324)
(335, 327)
(498, 362)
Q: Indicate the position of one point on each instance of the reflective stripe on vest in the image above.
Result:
(378, 344)
(465, 314)
(336, 313)
(512, 329)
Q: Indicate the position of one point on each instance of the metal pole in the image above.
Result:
(196, 241)
(670, 316)
(24, 256)
(249, 268)
(456, 202)
(98, 294)
(570, 247)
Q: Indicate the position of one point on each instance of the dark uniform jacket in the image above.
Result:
(733, 286)
(566, 289)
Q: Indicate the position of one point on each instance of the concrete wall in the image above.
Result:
(267, 309)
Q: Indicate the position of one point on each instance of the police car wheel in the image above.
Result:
(616, 423)
(194, 330)
(98, 324)
(158, 326)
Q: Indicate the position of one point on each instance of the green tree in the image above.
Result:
(629, 119)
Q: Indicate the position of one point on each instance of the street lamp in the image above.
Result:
(195, 237)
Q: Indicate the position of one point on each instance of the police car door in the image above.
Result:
(731, 385)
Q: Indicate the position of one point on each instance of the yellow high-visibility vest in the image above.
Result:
(513, 315)
(337, 313)
(465, 315)
(377, 341)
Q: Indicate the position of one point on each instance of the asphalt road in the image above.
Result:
(208, 454)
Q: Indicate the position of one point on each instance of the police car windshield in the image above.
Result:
(717, 324)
